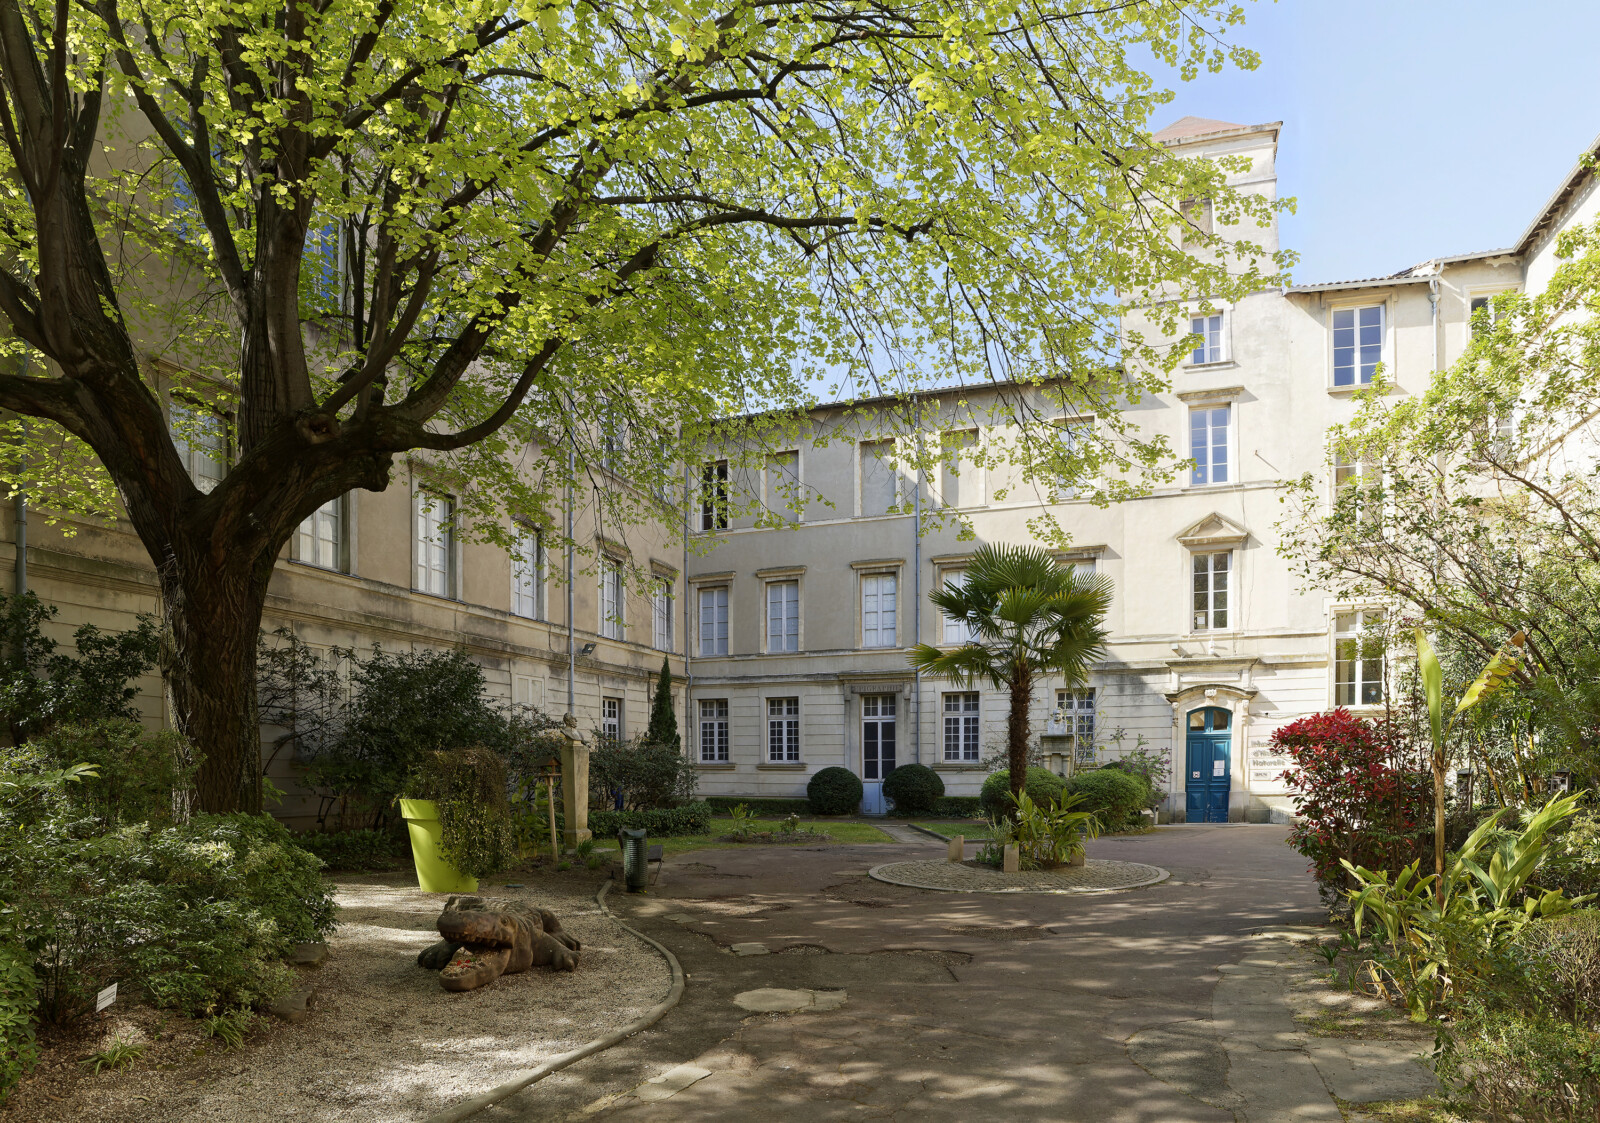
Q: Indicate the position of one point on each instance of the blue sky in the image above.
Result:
(1411, 128)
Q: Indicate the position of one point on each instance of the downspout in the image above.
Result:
(572, 649)
(916, 613)
(1433, 319)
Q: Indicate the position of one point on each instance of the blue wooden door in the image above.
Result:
(1207, 773)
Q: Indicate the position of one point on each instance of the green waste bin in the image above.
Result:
(635, 866)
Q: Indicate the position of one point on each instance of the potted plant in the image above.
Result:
(458, 819)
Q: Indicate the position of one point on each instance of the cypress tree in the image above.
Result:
(663, 728)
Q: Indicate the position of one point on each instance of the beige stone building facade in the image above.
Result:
(798, 659)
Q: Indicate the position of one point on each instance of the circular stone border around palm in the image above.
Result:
(1094, 876)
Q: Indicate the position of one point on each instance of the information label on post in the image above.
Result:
(105, 998)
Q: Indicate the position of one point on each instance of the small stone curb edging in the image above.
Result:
(650, 1017)
(947, 877)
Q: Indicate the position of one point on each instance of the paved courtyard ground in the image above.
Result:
(966, 1006)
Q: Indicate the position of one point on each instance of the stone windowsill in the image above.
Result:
(785, 766)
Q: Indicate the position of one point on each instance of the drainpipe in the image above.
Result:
(1433, 318)
(916, 614)
(572, 650)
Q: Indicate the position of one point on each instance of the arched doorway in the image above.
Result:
(1208, 745)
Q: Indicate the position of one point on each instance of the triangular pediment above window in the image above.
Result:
(1213, 530)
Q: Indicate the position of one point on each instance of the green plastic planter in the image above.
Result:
(434, 874)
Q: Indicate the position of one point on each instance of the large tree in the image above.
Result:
(1029, 616)
(465, 233)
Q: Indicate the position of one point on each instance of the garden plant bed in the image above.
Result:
(382, 1041)
(1094, 876)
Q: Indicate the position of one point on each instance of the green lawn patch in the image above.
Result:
(975, 828)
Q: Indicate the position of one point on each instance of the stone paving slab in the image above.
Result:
(1094, 876)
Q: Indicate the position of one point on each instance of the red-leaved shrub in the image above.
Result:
(1360, 795)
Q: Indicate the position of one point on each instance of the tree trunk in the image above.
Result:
(213, 620)
(1438, 824)
(1017, 730)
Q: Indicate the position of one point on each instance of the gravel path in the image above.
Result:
(1094, 876)
(384, 1041)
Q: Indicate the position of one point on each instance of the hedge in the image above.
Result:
(957, 807)
(915, 789)
(1115, 796)
(834, 791)
(722, 804)
(1042, 786)
(691, 818)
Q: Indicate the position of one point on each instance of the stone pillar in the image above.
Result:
(574, 784)
(957, 850)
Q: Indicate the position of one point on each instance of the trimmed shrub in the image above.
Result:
(1043, 787)
(1114, 796)
(957, 807)
(647, 775)
(356, 850)
(760, 808)
(834, 791)
(691, 818)
(915, 788)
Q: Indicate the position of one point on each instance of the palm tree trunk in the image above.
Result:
(1017, 727)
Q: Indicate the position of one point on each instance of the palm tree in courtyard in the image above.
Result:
(1027, 616)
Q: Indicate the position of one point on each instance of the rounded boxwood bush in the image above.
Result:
(834, 791)
(1115, 796)
(1042, 786)
(915, 788)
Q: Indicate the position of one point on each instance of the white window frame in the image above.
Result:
(1355, 309)
(953, 632)
(322, 538)
(713, 723)
(714, 495)
(874, 632)
(206, 462)
(1078, 713)
(1363, 673)
(1212, 327)
(956, 479)
(613, 599)
(963, 726)
(1069, 432)
(528, 568)
(782, 625)
(433, 517)
(1207, 476)
(1203, 606)
(611, 719)
(661, 613)
(783, 730)
(716, 643)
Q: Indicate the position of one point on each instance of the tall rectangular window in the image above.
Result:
(1074, 437)
(202, 443)
(713, 731)
(613, 600)
(1198, 219)
(714, 496)
(714, 621)
(783, 616)
(527, 573)
(1360, 477)
(320, 539)
(783, 730)
(961, 733)
(956, 631)
(613, 439)
(1077, 718)
(960, 484)
(878, 592)
(1211, 591)
(1358, 658)
(783, 485)
(1208, 444)
(611, 720)
(1209, 329)
(1357, 344)
(661, 614)
(435, 544)
(880, 481)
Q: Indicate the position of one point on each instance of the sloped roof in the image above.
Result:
(1185, 127)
